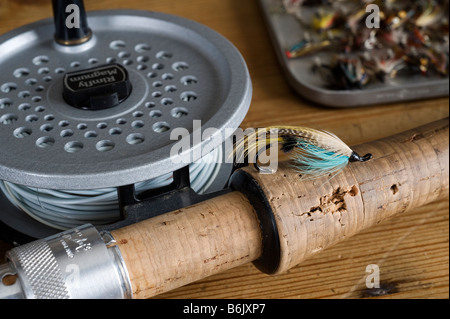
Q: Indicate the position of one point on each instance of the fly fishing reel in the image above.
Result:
(93, 111)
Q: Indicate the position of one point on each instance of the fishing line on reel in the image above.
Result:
(65, 209)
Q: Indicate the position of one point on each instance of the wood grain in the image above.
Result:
(411, 250)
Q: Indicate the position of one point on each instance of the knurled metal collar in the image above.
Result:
(76, 264)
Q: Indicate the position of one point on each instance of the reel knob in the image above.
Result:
(97, 88)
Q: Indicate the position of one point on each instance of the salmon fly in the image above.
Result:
(313, 153)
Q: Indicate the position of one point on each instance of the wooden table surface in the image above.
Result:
(410, 250)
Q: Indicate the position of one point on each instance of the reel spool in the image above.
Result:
(178, 72)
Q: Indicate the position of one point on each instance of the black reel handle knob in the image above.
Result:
(97, 88)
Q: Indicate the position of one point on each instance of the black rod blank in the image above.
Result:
(70, 22)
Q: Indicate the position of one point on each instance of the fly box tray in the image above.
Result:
(287, 33)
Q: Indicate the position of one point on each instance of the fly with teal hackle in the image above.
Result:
(313, 153)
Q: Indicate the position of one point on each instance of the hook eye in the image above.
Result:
(263, 169)
(356, 158)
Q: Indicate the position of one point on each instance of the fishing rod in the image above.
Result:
(274, 220)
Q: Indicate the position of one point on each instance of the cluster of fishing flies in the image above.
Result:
(411, 38)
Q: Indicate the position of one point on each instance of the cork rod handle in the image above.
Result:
(408, 170)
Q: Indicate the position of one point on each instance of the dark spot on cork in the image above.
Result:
(394, 189)
(314, 209)
(335, 202)
(353, 191)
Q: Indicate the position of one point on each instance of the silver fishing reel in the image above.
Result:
(97, 106)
